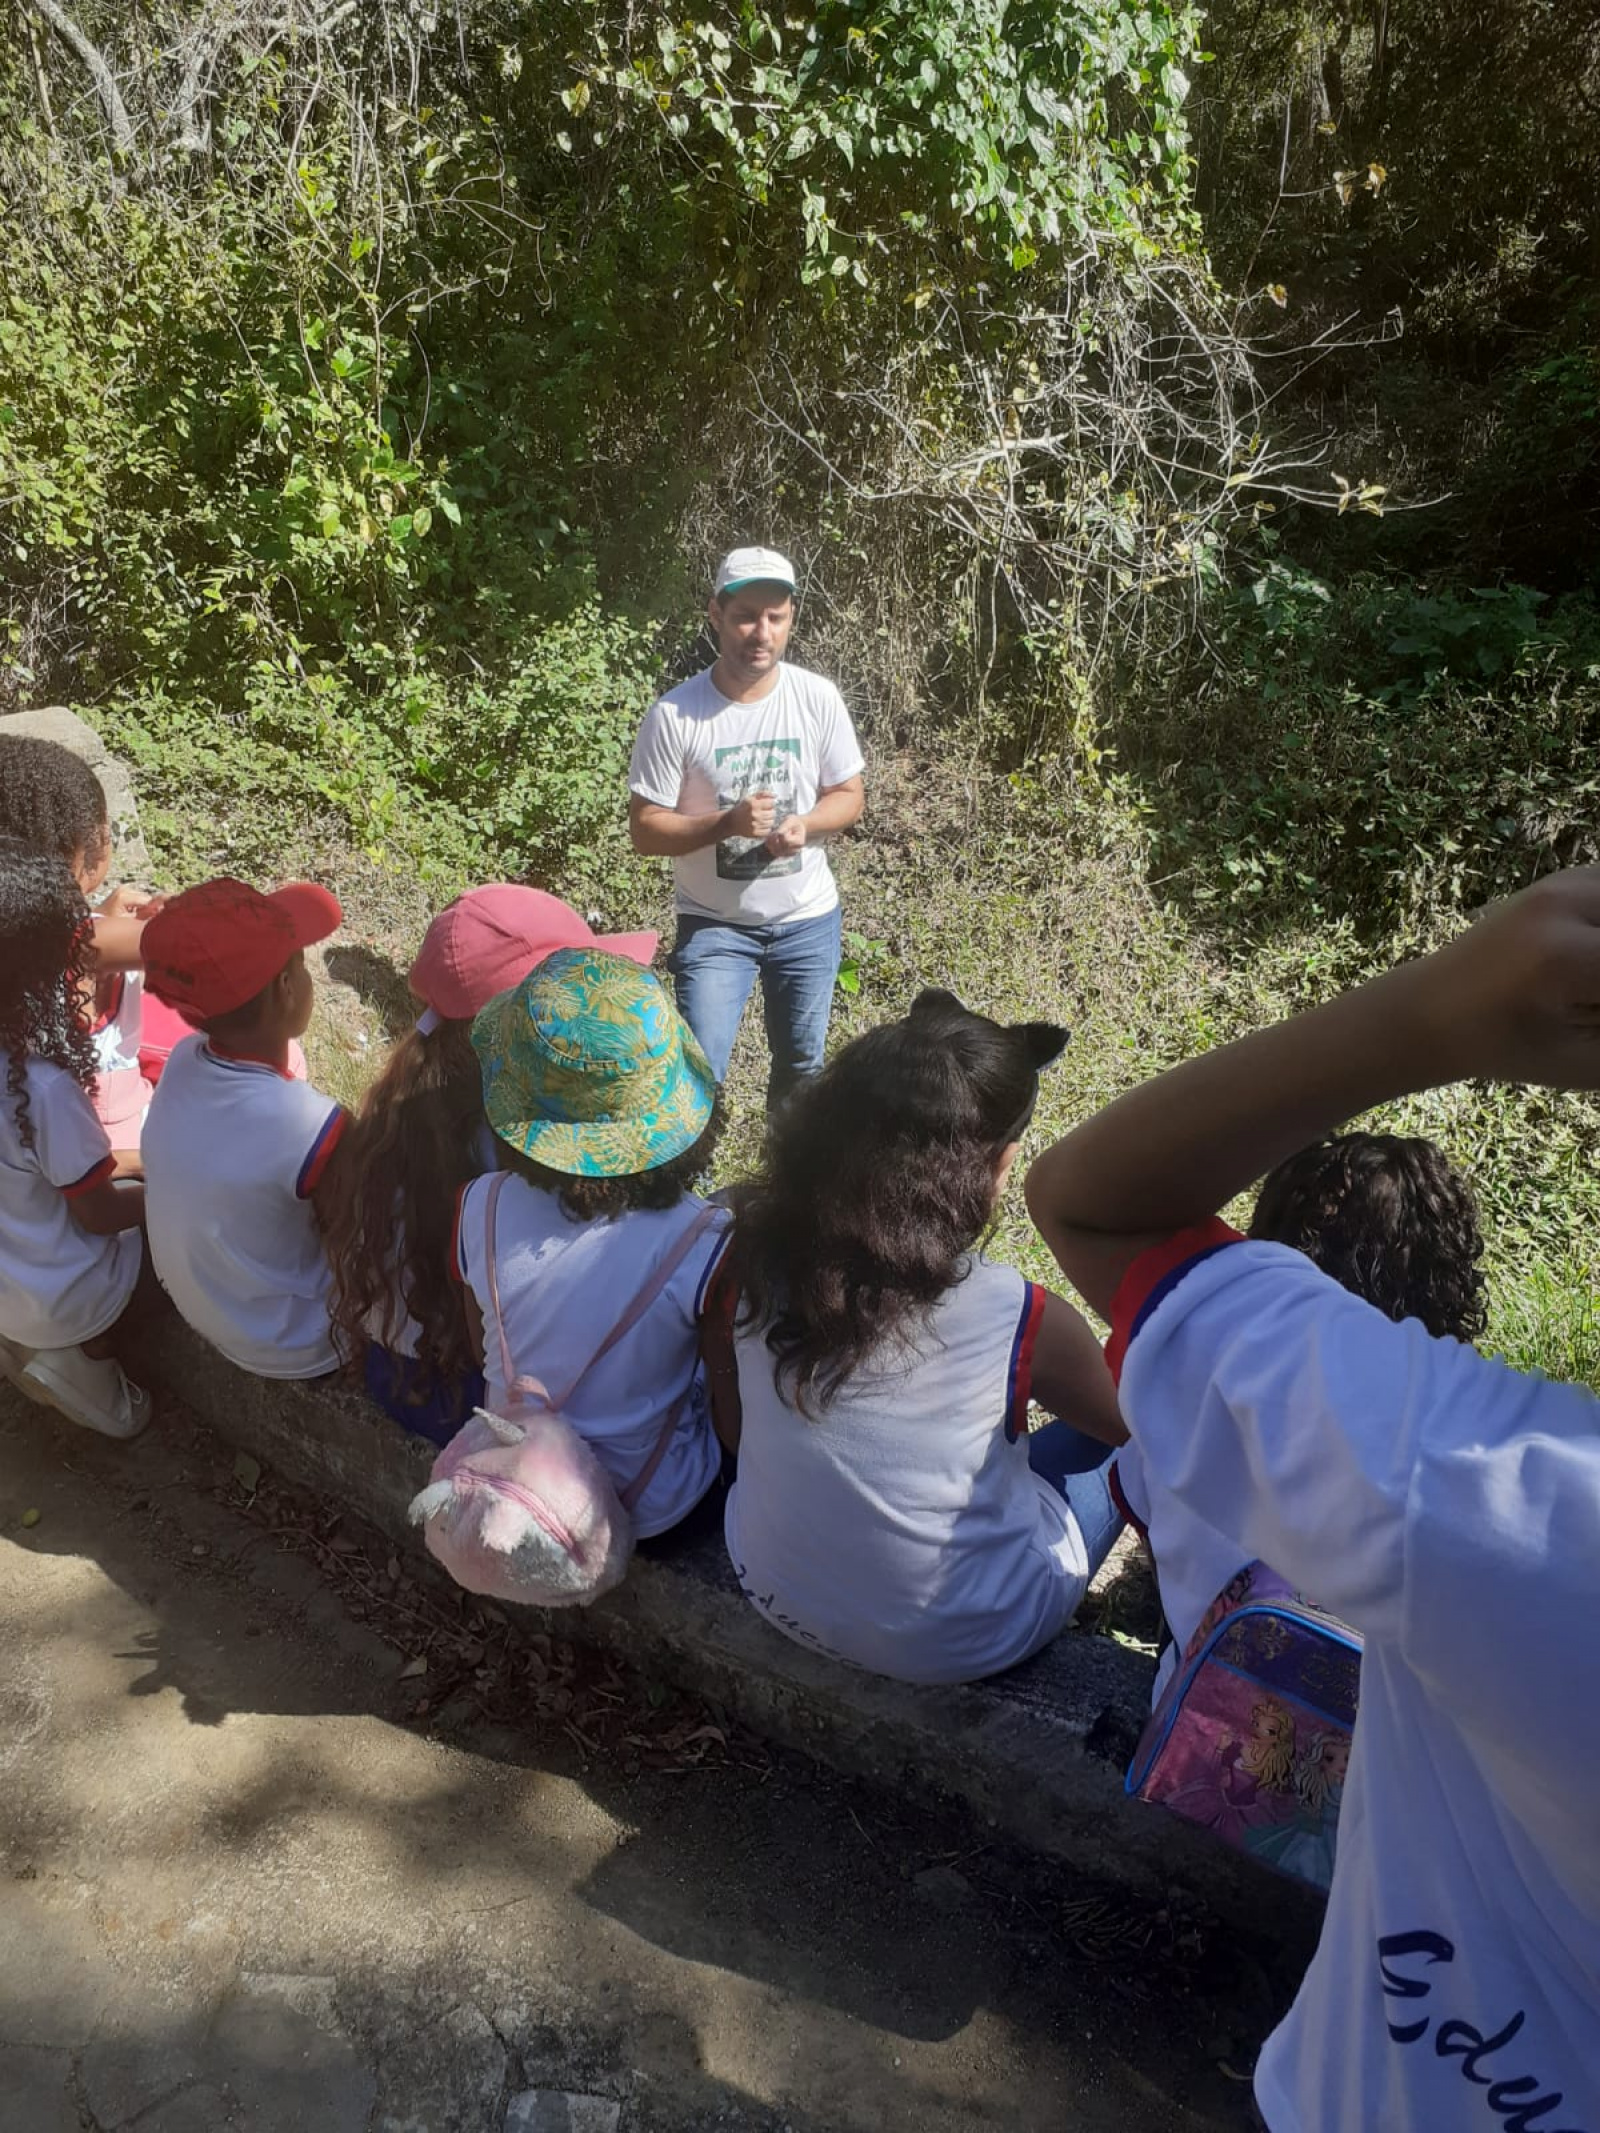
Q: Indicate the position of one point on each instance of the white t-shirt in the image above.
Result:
(1194, 1562)
(699, 753)
(563, 1286)
(121, 1093)
(1449, 1509)
(232, 1154)
(905, 1530)
(58, 1284)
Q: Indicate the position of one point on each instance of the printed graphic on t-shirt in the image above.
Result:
(757, 766)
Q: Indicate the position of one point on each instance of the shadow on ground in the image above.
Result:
(211, 1779)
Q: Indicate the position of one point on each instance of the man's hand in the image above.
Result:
(789, 836)
(753, 816)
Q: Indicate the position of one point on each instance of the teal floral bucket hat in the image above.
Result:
(589, 1068)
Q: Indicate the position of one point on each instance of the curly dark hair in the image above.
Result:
(51, 799)
(651, 1191)
(1392, 1220)
(416, 1140)
(44, 946)
(879, 1178)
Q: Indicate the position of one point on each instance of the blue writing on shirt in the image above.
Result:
(1516, 2102)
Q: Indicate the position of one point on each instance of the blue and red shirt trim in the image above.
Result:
(316, 1162)
(1019, 1376)
(102, 1170)
(1154, 1275)
(1119, 1496)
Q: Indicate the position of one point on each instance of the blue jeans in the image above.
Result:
(714, 966)
(1077, 1466)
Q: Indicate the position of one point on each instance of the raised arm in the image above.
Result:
(1070, 1375)
(1515, 998)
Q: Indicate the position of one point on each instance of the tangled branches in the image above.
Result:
(1082, 464)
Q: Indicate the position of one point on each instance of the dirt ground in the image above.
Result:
(244, 1884)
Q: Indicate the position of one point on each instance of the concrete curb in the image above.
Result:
(1039, 1753)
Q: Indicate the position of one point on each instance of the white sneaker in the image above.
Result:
(94, 1393)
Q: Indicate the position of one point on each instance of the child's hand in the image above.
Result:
(127, 902)
(1517, 996)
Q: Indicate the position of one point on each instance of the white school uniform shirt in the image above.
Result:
(1449, 1509)
(1194, 1562)
(58, 1284)
(233, 1151)
(904, 1529)
(563, 1286)
(121, 1093)
(700, 753)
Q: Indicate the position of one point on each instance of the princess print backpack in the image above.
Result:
(518, 1506)
(1251, 1736)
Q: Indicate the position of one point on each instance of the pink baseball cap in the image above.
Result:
(489, 939)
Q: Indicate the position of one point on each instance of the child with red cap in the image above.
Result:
(417, 1141)
(235, 1151)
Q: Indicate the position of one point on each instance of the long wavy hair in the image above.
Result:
(1391, 1219)
(44, 946)
(879, 1179)
(415, 1141)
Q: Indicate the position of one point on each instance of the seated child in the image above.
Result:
(1443, 1504)
(1393, 1222)
(890, 1506)
(69, 1233)
(235, 1151)
(606, 1111)
(418, 1139)
(52, 800)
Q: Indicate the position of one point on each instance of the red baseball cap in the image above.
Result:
(212, 948)
(489, 939)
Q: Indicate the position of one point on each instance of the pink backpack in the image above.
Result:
(518, 1506)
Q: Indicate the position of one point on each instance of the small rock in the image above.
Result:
(558, 2111)
(943, 1886)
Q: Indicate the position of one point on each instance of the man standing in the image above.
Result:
(737, 776)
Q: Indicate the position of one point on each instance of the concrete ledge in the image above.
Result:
(1040, 1752)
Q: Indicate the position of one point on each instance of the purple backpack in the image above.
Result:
(1251, 1736)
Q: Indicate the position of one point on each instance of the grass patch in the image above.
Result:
(1029, 904)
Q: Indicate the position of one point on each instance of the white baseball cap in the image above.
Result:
(754, 566)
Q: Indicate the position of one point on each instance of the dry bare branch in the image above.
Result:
(105, 82)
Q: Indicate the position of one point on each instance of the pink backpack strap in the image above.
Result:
(659, 1276)
(640, 1303)
(629, 1497)
(513, 1384)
